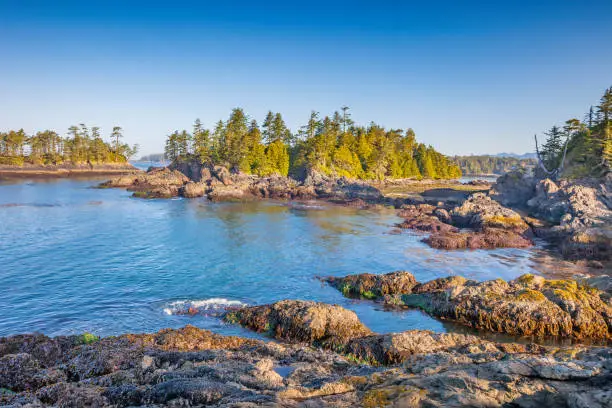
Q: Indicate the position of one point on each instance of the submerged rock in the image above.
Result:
(526, 306)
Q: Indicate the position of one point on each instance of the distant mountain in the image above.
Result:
(517, 156)
(156, 157)
(492, 164)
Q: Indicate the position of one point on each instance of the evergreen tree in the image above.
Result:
(116, 135)
(552, 150)
(201, 141)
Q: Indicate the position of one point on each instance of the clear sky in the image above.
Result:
(467, 76)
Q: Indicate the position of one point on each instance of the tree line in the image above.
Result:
(586, 145)
(486, 164)
(332, 145)
(80, 145)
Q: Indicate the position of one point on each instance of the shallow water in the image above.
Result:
(74, 258)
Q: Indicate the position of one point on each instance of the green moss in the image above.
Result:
(140, 194)
(369, 294)
(232, 317)
(88, 338)
(376, 398)
(565, 295)
(526, 279)
(360, 361)
(568, 285)
(529, 295)
(417, 300)
(346, 289)
(382, 397)
(506, 222)
(6, 391)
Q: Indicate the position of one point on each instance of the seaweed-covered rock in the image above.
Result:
(372, 286)
(302, 321)
(526, 306)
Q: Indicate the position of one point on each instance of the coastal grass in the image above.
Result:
(88, 338)
(421, 187)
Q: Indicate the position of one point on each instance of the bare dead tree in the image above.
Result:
(554, 173)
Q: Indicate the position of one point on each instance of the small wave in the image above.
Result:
(212, 306)
(41, 205)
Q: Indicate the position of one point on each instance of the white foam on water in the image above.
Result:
(204, 305)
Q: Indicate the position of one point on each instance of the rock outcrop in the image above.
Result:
(580, 212)
(155, 183)
(491, 225)
(527, 306)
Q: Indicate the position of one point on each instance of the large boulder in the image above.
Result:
(479, 211)
(302, 321)
(222, 174)
(514, 188)
(193, 189)
(341, 189)
(192, 169)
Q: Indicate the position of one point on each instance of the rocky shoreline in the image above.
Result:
(66, 170)
(217, 183)
(323, 356)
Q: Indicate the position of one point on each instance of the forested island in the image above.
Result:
(333, 146)
(81, 145)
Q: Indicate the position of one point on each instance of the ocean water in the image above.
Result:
(74, 258)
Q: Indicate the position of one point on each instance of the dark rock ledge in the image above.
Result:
(327, 358)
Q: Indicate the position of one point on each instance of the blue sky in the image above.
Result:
(467, 76)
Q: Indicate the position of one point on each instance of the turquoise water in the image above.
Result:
(74, 258)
